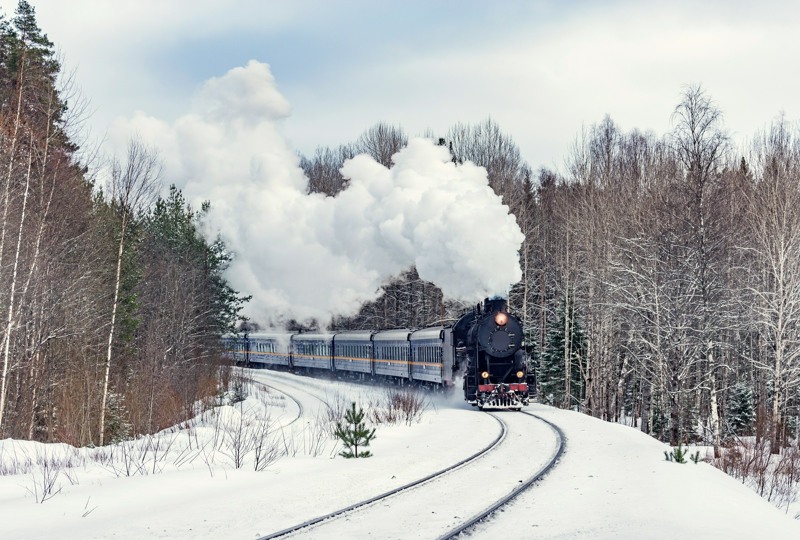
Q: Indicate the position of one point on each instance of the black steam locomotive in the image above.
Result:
(485, 347)
(489, 343)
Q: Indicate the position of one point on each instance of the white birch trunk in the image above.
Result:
(10, 319)
(111, 332)
(715, 421)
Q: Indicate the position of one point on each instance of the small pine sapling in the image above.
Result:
(679, 455)
(354, 433)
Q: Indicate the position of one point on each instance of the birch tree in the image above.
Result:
(134, 185)
(701, 148)
(29, 76)
(775, 282)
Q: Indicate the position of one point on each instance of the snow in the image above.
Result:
(611, 482)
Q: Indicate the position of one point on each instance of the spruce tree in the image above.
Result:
(551, 370)
(173, 227)
(354, 433)
(740, 413)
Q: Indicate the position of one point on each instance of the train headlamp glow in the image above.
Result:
(501, 319)
(485, 375)
(520, 374)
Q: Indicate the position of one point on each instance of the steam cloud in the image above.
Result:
(307, 256)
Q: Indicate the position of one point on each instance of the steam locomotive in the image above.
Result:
(484, 348)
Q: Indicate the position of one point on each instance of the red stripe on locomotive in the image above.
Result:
(515, 387)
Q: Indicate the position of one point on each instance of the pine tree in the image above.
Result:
(551, 372)
(354, 433)
(173, 227)
(117, 425)
(740, 413)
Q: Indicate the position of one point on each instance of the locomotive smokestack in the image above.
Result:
(491, 305)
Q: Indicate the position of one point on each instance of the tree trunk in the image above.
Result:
(12, 294)
(107, 375)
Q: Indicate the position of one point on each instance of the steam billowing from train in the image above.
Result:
(306, 256)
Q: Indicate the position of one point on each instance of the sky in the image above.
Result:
(612, 481)
(542, 70)
(230, 93)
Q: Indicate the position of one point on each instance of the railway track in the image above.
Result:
(475, 520)
(298, 404)
(355, 520)
(306, 525)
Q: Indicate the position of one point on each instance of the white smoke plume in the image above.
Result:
(310, 256)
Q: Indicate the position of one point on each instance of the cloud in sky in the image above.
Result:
(541, 70)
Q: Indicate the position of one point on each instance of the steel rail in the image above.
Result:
(300, 408)
(469, 524)
(306, 524)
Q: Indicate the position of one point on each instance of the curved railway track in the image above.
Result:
(328, 523)
(538, 475)
(312, 522)
(300, 409)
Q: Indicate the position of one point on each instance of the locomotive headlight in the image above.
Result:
(501, 319)
(520, 374)
(485, 375)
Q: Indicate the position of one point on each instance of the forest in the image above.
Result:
(661, 272)
(111, 303)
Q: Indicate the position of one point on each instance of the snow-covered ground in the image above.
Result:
(612, 482)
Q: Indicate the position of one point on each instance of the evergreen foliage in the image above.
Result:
(552, 369)
(660, 421)
(117, 425)
(741, 412)
(679, 455)
(354, 434)
(149, 339)
(109, 217)
(173, 228)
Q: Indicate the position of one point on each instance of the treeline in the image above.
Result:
(111, 304)
(661, 273)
